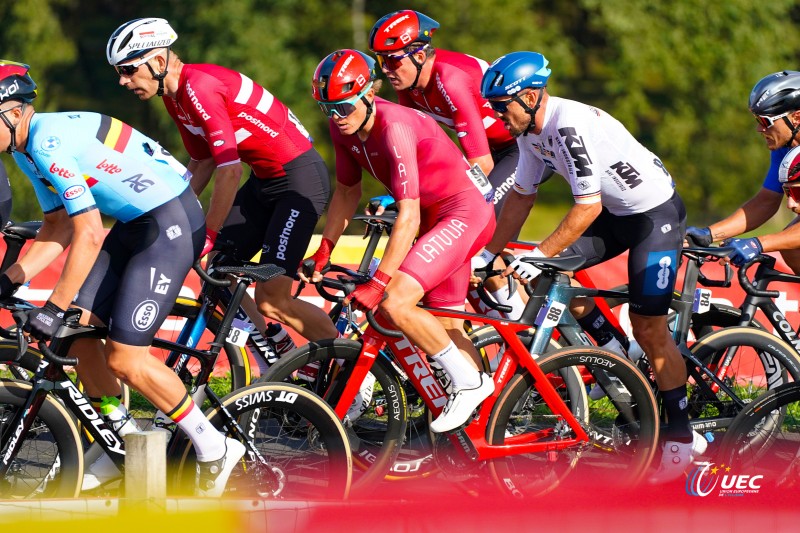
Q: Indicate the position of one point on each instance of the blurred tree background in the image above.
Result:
(677, 73)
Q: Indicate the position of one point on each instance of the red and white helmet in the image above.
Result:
(15, 82)
(789, 170)
(343, 75)
(136, 37)
(397, 30)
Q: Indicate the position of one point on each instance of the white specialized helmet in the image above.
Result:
(136, 37)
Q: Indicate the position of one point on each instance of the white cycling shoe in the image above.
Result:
(461, 404)
(100, 472)
(677, 457)
(363, 398)
(212, 476)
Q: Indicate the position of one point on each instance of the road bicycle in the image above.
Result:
(764, 440)
(296, 446)
(538, 425)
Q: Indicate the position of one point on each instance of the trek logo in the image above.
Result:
(283, 241)
(196, 102)
(343, 69)
(704, 480)
(426, 379)
(11, 90)
(395, 23)
(139, 183)
(253, 120)
(628, 174)
(61, 172)
(432, 245)
(109, 168)
(577, 151)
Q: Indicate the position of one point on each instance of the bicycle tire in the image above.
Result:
(761, 362)
(50, 462)
(619, 452)
(772, 422)
(297, 433)
(376, 436)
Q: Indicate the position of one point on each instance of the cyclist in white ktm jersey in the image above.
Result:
(624, 201)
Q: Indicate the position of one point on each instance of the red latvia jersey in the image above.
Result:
(223, 114)
(453, 97)
(407, 152)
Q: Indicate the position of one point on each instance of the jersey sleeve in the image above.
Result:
(195, 145)
(62, 183)
(211, 112)
(771, 180)
(531, 171)
(467, 117)
(400, 143)
(348, 171)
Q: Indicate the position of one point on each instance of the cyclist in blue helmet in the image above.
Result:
(775, 103)
(625, 200)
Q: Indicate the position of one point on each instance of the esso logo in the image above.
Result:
(74, 192)
(145, 315)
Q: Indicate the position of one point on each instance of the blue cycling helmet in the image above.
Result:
(514, 72)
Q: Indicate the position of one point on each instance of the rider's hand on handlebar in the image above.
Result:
(211, 239)
(523, 270)
(698, 237)
(320, 258)
(43, 322)
(7, 287)
(378, 204)
(367, 296)
(743, 250)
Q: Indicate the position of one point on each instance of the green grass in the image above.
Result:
(142, 408)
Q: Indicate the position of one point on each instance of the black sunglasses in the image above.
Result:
(501, 106)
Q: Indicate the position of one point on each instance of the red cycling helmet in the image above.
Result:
(789, 171)
(397, 30)
(343, 75)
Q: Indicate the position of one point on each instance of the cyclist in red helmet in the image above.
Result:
(436, 197)
(446, 85)
(225, 118)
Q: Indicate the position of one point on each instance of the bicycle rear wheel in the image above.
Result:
(623, 426)
(299, 437)
(50, 462)
(764, 439)
(377, 434)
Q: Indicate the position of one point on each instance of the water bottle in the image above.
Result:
(117, 416)
(373, 266)
(343, 322)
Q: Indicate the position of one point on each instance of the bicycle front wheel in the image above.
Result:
(49, 463)
(378, 431)
(623, 427)
(303, 449)
(764, 439)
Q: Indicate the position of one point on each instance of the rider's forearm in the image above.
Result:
(751, 215)
(226, 183)
(513, 214)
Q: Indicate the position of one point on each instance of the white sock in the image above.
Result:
(462, 374)
(515, 302)
(209, 444)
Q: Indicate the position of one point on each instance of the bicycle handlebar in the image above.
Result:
(53, 357)
(748, 287)
(484, 296)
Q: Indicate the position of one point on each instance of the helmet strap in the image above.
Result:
(794, 129)
(419, 69)
(532, 112)
(369, 113)
(159, 77)
(12, 146)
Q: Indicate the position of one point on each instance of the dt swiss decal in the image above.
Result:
(74, 192)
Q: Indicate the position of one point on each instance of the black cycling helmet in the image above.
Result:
(776, 94)
(15, 82)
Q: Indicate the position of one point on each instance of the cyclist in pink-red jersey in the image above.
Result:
(436, 197)
(446, 85)
(225, 118)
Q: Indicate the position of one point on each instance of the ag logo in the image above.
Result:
(144, 315)
(51, 143)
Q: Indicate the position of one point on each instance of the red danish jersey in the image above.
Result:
(224, 114)
(453, 97)
(407, 152)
